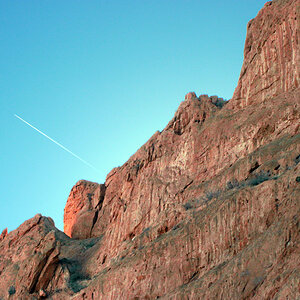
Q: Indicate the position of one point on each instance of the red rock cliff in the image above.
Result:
(81, 210)
(271, 55)
(206, 209)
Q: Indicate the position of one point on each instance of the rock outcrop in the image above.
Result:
(81, 211)
(206, 209)
(271, 55)
(3, 234)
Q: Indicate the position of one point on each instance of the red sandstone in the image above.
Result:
(206, 209)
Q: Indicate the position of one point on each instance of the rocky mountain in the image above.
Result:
(208, 208)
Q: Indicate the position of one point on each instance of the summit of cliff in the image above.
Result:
(271, 54)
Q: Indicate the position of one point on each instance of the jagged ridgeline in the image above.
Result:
(208, 208)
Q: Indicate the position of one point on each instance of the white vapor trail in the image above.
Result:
(57, 143)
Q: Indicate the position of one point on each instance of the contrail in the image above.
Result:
(57, 143)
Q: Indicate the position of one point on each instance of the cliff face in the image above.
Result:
(206, 209)
(271, 55)
(81, 211)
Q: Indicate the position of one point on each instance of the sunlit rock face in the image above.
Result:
(271, 55)
(84, 202)
(208, 208)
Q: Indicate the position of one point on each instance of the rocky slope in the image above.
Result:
(206, 209)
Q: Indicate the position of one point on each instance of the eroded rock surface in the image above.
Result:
(271, 55)
(206, 209)
(81, 211)
(37, 260)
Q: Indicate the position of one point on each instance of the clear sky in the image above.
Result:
(100, 77)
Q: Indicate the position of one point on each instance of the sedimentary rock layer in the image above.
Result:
(271, 55)
(208, 208)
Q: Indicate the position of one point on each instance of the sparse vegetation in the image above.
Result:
(232, 184)
(220, 103)
(258, 280)
(187, 205)
(177, 226)
(90, 243)
(258, 179)
(212, 194)
(11, 290)
(75, 281)
(146, 230)
(254, 180)
(76, 276)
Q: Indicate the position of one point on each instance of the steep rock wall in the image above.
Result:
(206, 209)
(271, 55)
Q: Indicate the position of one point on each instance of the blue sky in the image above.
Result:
(101, 77)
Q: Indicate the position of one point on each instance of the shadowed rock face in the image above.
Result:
(206, 209)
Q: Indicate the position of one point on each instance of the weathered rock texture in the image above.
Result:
(271, 55)
(82, 208)
(206, 209)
